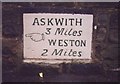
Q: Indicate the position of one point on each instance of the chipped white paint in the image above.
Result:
(95, 27)
(41, 74)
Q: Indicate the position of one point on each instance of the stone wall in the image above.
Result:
(105, 29)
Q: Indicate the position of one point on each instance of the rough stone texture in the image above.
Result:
(104, 44)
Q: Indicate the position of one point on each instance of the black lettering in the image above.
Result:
(59, 31)
(70, 32)
(44, 53)
(52, 42)
(65, 53)
(77, 43)
(50, 21)
(70, 52)
(71, 42)
(42, 21)
(65, 22)
(79, 54)
(66, 44)
(36, 21)
(65, 33)
(83, 43)
(80, 21)
(79, 33)
(74, 33)
(56, 52)
(48, 31)
(59, 21)
(71, 21)
(59, 43)
(74, 53)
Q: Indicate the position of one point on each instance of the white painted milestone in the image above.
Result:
(57, 36)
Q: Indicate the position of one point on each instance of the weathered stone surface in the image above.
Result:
(103, 18)
(113, 36)
(114, 20)
(110, 56)
(104, 44)
(101, 34)
(87, 69)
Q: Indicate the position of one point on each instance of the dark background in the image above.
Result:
(104, 44)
